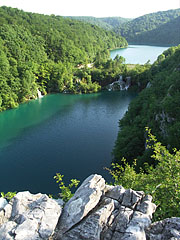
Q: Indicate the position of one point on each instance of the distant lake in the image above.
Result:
(138, 54)
(70, 134)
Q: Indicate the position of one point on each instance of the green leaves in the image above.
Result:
(8, 195)
(161, 181)
(66, 193)
(156, 107)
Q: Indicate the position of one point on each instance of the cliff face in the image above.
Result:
(96, 212)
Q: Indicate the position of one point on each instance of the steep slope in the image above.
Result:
(152, 28)
(156, 107)
(168, 33)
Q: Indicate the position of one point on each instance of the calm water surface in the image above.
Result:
(70, 134)
(139, 54)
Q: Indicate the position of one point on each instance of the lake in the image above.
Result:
(138, 54)
(70, 134)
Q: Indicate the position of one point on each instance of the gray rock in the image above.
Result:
(32, 217)
(131, 218)
(115, 213)
(164, 230)
(91, 226)
(5, 213)
(116, 192)
(84, 200)
(6, 231)
(131, 198)
(3, 203)
(95, 212)
(147, 207)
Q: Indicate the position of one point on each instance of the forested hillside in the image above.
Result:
(92, 20)
(168, 33)
(108, 23)
(155, 28)
(156, 107)
(43, 52)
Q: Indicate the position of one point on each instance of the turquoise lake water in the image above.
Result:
(70, 134)
(139, 54)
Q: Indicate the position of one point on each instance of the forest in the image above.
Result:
(156, 107)
(108, 23)
(156, 28)
(160, 28)
(48, 53)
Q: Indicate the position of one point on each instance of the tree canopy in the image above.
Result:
(156, 28)
(156, 107)
(43, 52)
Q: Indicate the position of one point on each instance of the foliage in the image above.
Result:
(140, 76)
(156, 107)
(161, 181)
(39, 52)
(108, 23)
(155, 28)
(66, 193)
(8, 195)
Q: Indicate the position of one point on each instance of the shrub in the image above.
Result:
(161, 181)
(66, 193)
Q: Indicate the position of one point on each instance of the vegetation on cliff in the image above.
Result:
(157, 107)
(161, 181)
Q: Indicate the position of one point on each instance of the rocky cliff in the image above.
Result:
(96, 212)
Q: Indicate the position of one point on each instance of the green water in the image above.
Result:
(70, 134)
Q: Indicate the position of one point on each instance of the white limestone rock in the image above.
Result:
(84, 200)
(5, 213)
(92, 225)
(6, 230)
(3, 203)
(32, 217)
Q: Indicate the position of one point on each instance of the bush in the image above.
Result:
(66, 193)
(161, 181)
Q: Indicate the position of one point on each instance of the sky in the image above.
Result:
(95, 8)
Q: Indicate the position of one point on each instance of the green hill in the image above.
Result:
(168, 33)
(42, 52)
(155, 28)
(156, 107)
(93, 20)
(108, 23)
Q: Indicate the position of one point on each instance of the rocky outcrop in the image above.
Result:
(167, 229)
(163, 119)
(29, 216)
(96, 212)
